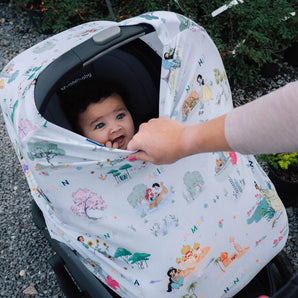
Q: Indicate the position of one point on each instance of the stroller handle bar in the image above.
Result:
(80, 56)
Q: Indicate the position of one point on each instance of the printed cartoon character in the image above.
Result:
(207, 94)
(191, 262)
(155, 194)
(149, 195)
(271, 197)
(171, 62)
(81, 239)
(176, 279)
(170, 54)
(269, 204)
(224, 160)
(219, 164)
(221, 161)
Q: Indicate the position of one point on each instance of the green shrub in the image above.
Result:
(281, 160)
(248, 35)
(59, 15)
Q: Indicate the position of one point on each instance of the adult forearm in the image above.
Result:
(207, 136)
(266, 125)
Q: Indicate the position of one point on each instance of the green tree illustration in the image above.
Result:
(44, 150)
(125, 167)
(138, 193)
(217, 262)
(139, 258)
(193, 181)
(123, 253)
(115, 174)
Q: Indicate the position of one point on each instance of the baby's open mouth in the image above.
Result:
(120, 140)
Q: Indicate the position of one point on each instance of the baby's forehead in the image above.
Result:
(113, 97)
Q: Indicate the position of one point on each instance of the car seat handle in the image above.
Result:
(107, 35)
(80, 56)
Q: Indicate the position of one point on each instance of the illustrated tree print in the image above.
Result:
(116, 176)
(123, 253)
(194, 182)
(44, 150)
(25, 126)
(217, 262)
(114, 172)
(191, 290)
(125, 167)
(221, 80)
(117, 173)
(138, 193)
(185, 22)
(84, 201)
(139, 258)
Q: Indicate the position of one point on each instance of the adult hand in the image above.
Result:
(164, 141)
(159, 141)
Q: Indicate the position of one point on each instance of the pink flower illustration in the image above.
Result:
(84, 201)
(25, 126)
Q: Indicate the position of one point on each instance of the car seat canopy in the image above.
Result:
(208, 222)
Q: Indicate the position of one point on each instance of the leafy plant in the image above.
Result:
(281, 160)
(59, 15)
(248, 35)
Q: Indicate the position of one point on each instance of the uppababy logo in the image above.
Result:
(77, 80)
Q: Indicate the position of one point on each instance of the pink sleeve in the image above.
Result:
(266, 125)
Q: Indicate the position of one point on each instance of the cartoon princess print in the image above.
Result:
(82, 240)
(171, 64)
(207, 94)
(155, 194)
(271, 197)
(175, 279)
(268, 206)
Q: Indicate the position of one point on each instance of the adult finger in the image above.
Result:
(139, 155)
(134, 145)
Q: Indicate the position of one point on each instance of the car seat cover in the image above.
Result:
(205, 224)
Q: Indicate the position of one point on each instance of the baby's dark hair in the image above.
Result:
(77, 98)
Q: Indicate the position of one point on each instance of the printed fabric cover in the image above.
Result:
(201, 227)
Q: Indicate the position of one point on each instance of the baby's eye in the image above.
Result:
(99, 125)
(120, 116)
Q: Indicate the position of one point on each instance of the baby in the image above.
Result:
(97, 110)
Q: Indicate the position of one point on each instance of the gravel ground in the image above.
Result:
(23, 250)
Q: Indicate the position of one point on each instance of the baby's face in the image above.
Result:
(108, 122)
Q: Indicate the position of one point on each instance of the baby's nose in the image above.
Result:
(115, 129)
